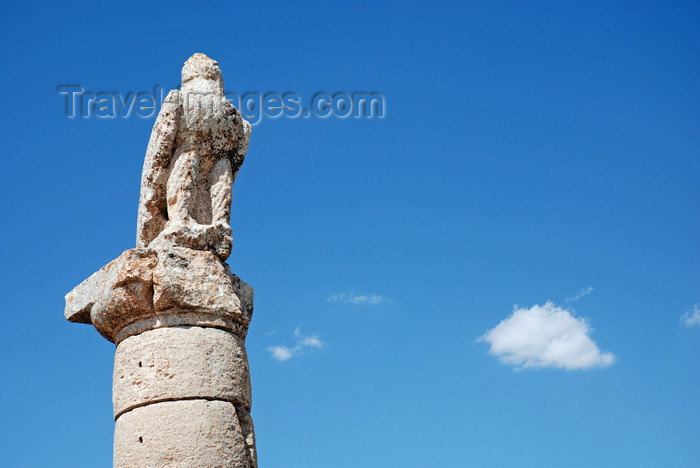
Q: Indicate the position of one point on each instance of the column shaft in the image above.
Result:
(182, 399)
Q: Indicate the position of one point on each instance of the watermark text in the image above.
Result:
(254, 106)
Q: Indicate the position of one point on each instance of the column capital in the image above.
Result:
(149, 288)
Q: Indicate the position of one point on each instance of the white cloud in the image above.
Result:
(281, 353)
(352, 298)
(545, 336)
(284, 353)
(313, 341)
(692, 317)
(584, 292)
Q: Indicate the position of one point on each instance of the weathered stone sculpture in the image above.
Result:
(179, 318)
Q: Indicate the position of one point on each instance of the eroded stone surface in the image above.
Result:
(195, 319)
(143, 285)
(197, 146)
(183, 434)
(217, 237)
(120, 291)
(186, 279)
(180, 363)
(248, 431)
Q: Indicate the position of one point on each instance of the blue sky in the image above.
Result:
(411, 272)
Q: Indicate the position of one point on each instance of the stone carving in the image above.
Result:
(197, 145)
(179, 317)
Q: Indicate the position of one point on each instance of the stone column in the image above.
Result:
(181, 386)
(182, 394)
(178, 316)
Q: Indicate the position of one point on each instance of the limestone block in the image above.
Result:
(196, 280)
(146, 288)
(182, 434)
(119, 293)
(179, 363)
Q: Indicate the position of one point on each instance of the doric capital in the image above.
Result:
(144, 289)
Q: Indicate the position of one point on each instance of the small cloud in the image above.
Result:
(545, 336)
(313, 341)
(691, 318)
(584, 292)
(284, 353)
(271, 332)
(352, 298)
(281, 353)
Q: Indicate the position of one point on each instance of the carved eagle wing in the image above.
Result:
(153, 205)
